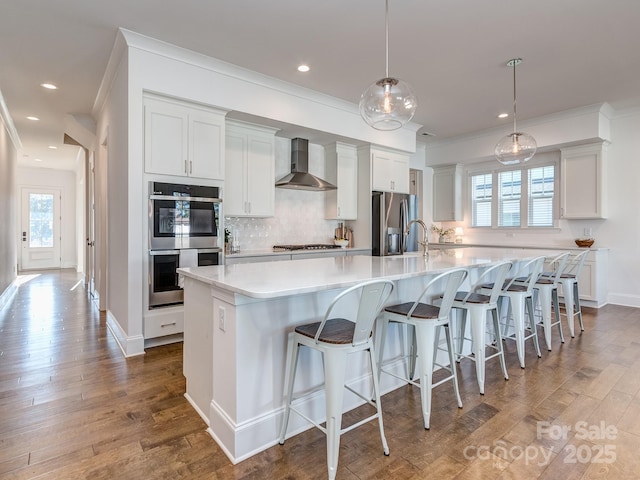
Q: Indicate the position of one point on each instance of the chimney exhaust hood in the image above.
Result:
(300, 178)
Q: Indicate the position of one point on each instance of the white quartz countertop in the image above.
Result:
(294, 277)
(537, 247)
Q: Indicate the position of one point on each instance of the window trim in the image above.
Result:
(493, 168)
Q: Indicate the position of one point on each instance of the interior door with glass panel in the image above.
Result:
(40, 232)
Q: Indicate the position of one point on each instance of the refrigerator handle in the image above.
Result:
(404, 220)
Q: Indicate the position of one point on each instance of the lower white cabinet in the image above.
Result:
(250, 170)
(161, 322)
(592, 281)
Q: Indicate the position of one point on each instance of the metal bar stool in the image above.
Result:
(547, 288)
(336, 338)
(520, 295)
(570, 293)
(425, 319)
(478, 305)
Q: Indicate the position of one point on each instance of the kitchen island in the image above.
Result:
(236, 322)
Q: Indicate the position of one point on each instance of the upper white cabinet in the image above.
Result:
(183, 139)
(250, 170)
(341, 169)
(389, 171)
(447, 193)
(582, 179)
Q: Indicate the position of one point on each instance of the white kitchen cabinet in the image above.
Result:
(183, 139)
(250, 170)
(582, 177)
(389, 171)
(447, 193)
(341, 169)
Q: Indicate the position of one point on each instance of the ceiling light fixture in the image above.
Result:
(517, 147)
(32, 118)
(49, 86)
(52, 147)
(389, 103)
(503, 115)
(303, 68)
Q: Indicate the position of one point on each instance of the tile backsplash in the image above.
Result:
(299, 215)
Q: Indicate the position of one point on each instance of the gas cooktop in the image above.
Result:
(308, 246)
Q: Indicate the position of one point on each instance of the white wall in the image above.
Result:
(8, 215)
(81, 240)
(64, 180)
(621, 231)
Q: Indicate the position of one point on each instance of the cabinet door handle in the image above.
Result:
(248, 207)
(167, 324)
(338, 211)
(190, 167)
(185, 167)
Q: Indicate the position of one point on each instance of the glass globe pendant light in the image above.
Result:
(517, 147)
(388, 103)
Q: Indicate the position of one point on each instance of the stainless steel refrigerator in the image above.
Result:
(391, 212)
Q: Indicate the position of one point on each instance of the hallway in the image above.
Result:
(71, 407)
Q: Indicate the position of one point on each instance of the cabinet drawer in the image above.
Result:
(159, 325)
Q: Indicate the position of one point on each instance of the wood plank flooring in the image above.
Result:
(71, 407)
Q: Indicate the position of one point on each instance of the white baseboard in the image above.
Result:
(240, 441)
(130, 346)
(9, 293)
(624, 299)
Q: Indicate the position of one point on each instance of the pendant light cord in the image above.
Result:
(515, 128)
(386, 38)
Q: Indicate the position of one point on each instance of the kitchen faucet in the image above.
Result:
(425, 239)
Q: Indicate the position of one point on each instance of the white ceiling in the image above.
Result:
(453, 52)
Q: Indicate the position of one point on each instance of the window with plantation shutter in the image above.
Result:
(515, 197)
(481, 194)
(541, 196)
(509, 195)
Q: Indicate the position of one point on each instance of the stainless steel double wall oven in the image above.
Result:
(184, 226)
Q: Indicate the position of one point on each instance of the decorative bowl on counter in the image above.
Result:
(584, 242)
(342, 242)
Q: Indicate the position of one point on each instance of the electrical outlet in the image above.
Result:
(221, 320)
(587, 231)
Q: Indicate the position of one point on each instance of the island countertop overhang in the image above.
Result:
(295, 277)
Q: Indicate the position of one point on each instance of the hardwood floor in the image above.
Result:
(72, 407)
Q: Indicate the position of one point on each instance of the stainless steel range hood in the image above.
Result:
(300, 178)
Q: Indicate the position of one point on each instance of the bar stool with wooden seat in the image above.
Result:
(547, 288)
(425, 319)
(570, 293)
(520, 295)
(336, 338)
(478, 305)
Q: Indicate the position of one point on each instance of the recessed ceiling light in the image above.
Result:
(49, 86)
(503, 115)
(303, 68)
(52, 147)
(37, 159)
(31, 117)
